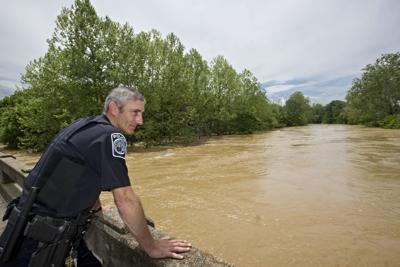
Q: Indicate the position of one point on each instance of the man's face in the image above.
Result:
(130, 116)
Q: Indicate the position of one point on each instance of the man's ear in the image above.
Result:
(113, 107)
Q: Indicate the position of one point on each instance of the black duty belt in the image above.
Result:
(50, 230)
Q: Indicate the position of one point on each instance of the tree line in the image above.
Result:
(187, 97)
(373, 100)
(88, 55)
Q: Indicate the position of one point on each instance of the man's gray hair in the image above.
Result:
(121, 95)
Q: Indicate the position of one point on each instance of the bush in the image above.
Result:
(391, 122)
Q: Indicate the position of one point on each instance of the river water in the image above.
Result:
(319, 195)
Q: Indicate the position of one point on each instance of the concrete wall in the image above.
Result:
(108, 237)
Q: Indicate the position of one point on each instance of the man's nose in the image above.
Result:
(139, 119)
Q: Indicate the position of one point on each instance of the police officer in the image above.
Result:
(62, 192)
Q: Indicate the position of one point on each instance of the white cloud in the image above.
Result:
(275, 39)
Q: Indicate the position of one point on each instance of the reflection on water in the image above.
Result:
(320, 195)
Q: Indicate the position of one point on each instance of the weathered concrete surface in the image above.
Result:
(118, 249)
(3, 205)
(11, 169)
(108, 237)
(11, 176)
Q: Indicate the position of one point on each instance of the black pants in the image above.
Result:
(28, 246)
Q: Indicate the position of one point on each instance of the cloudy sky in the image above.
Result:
(313, 46)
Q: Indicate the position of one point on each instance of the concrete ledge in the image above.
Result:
(9, 191)
(116, 249)
(11, 170)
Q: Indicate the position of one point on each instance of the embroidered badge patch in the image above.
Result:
(118, 142)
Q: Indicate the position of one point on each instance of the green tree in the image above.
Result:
(197, 74)
(251, 108)
(334, 112)
(88, 55)
(376, 95)
(279, 115)
(297, 110)
(224, 86)
(68, 81)
(317, 113)
(10, 110)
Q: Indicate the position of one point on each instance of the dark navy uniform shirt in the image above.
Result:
(84, 159)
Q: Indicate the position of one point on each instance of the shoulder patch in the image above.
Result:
(118, 142)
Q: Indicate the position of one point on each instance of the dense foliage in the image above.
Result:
(187, 97)
(297, 110)
(374, 99)
(87, 56)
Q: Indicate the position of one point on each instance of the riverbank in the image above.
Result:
(29, 156)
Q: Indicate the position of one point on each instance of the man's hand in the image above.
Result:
(107, 207)
(131, 211)
(166, 248)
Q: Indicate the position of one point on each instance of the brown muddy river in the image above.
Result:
(320, 195)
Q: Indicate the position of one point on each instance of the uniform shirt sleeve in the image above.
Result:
(112, 169)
